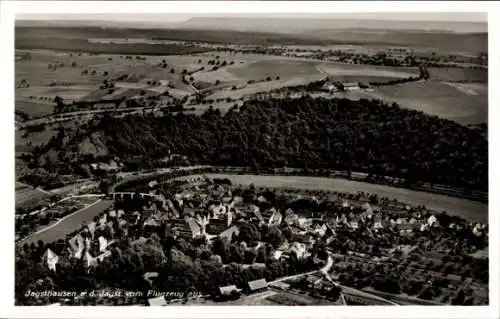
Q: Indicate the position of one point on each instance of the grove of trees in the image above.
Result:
(366, 136)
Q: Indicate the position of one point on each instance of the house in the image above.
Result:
(351, 86)
(227, 290)
(261, 199)
(275, 219)
(296, 230)
(354, 223)
(259, 285)
(180, 227)
(195, 227)
(152, 184)
(291, 218)
(216, 226)
(329, 87)
(432, 220)
(229, 233)
(158, 301)
(321, 230)
(277, 254)
(405, 228)
(304, 222)
(298, 248)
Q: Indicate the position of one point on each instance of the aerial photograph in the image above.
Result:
(251, 160)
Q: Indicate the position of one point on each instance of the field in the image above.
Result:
(26, 196)
(365, 73)
(454, 206)
(253, 73)
(34, 108)
(465, 103)
(459, 74)
(78, 76)
(70, 223)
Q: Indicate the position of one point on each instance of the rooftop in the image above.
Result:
(257, 284)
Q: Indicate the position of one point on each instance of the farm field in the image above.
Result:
(70, 223)
(454, 206)
(77, 76)
(365, 73)
(459, 74)
(33, 109)
(264, 87)
(465, 103)
(28, 196)
(442, 96)
(258, 67)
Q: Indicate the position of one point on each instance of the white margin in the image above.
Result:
(8, 10)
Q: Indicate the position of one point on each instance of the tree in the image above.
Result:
(459, 298)
(172, 71)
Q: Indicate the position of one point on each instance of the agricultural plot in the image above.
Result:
(459, 74)
(260, 67)
(27, 196)
(463, 103)
(33, 109)
(365, 73)
(78, 76)
(285, 69)
(264, 87)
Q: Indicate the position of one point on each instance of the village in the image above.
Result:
(298, 247)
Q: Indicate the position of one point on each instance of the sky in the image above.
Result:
(406, 16)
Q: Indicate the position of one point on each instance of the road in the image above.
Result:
(54, 118)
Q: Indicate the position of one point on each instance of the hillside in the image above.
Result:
(365, 136)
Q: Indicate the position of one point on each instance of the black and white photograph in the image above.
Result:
(168, 159)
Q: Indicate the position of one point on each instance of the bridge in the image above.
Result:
(122, 195)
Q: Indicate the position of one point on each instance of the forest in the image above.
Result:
(338, 134)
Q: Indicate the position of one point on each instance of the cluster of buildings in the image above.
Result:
(210, 211)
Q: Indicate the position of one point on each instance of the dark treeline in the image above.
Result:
(306, 133)
(83, 45)
(366, 136)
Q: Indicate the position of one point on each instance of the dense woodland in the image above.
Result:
(358, 136)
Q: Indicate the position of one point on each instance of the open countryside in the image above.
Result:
(251, 162)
